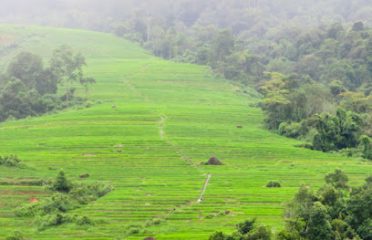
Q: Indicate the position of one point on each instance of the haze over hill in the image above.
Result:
(179, 119)
(169, 118)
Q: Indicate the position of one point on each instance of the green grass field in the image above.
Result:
(169, 117)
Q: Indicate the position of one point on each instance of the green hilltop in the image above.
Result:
(151, 125)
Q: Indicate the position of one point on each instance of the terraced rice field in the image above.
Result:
(152, 124)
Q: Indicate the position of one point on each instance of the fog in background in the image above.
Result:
(238, 15)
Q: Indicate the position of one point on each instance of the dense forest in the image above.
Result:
(312, 62)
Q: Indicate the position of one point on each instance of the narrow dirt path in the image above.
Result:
(201, 198)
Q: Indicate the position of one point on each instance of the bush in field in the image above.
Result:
(10, 161)
(292, 130)
(61, 183)
(218, 236)
(245, 231)
(53, 211)
(134, 229)
(51, 220)
(84, 194)
(83, 221)
(367, 147)
(273, 184)
(16, 236)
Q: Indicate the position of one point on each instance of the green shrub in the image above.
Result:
(61, 183)
(218, 236)
(292, 130)
(10, 161)
(16, 236)
(246, 227)
(87, 193)
(154, 222)
(51, 220)
(273, 184)
(367, 147)
(245, 231)
(84, 220)
(134, 229)
(288, 235)
(55, 204)
(53, 211)
(259, 233)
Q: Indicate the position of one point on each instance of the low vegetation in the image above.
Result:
(247, 230)
(16, 236)
(10, 161)
(66, 196)
(273, 184)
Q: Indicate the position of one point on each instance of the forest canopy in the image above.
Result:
(28, 88)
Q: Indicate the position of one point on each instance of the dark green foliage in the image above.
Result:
(246, 227)
(29, 68)
(331, 213)
(338, 179)
(365, 230)
(329, 195)
(84, 220)
(292, 130)
(342, 230)
(288, 235)
(259, 233)
(61, 184)
(245, 231)
(29, 89)
(53, 211)
(10, 161)
(50, 220)
(318, 225)
(337, 132)
(359, 210)
(367, 147)
(134, 229)
(273, 184)
(218, 236)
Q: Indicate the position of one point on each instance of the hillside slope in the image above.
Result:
(166, 118)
